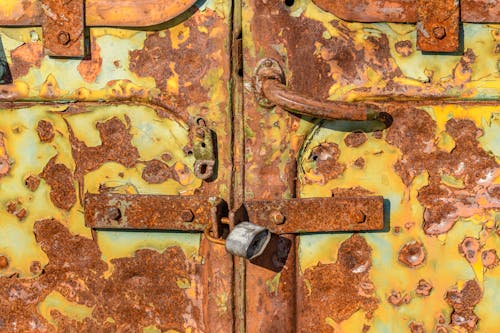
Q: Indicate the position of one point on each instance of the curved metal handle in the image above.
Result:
(271, 91)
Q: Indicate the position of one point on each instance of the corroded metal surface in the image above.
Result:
(128, 13)
(63, 27)
(140, 211)
(437, 200)
(318, 214)
(124, 127)
(438, 25)
(404, 10)
(437, 21)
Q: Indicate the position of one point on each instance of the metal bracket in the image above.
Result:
(204, 151)
(293, 216)
(437, 20)
(151, 212)
(63, 27)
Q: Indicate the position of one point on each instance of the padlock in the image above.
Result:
(247, 240)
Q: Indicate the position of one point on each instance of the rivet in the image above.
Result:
(187, 215)
(277, 217)
(439, 32)
(64, 38)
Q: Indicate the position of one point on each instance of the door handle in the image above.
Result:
(270, 91)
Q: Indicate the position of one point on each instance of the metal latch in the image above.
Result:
(245, 231)
(64, 22)
(438, 21)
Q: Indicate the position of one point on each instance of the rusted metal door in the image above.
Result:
(434, 159)
(107, 166)
(361, 136)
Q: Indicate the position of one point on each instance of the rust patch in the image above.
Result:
(339, 289)
(90, 68)
(142, 290)
(469, 248)
(355, 139)
(413, 133)
(351, 192)
(32, 182)
(4, 158)
(416, 327)
(398, 298)
(190, 60)
(412, 254)
(359, 163)
(463, 302)
(60, 180)
(116, 147)
(4, 262)
(404, 48)
(489, 258)
(45, 131)
(25, 57)
(14, 209)
(35, 267)
(157, 172)
(325, 156)
(424, 288)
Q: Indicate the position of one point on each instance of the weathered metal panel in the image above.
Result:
(435, 268)
(119, 121)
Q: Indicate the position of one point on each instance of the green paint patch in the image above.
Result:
(183, 283)
(56, 301)
(451, 181)
(272, 285)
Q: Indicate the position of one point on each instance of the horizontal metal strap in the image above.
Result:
(318, 214)
(149, 212)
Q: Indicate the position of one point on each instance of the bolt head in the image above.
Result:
(277, 217)
(187, 215)
(114, 213)
(439, 32)
(64, 38)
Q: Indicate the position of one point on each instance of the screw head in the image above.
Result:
(64, 38)
(277, 217)
(114, 213)
(187, 215)
(439, 32)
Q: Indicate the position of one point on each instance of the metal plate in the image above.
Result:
(140, 211)
(318, 214)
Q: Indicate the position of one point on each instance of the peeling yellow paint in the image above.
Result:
(56, 301)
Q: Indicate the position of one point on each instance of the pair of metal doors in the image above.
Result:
(134, 136)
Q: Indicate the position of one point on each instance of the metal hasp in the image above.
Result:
(204, 151)
(270, 90)
(63, 22)
(308, 215)
(150, 212)
(438, 21)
